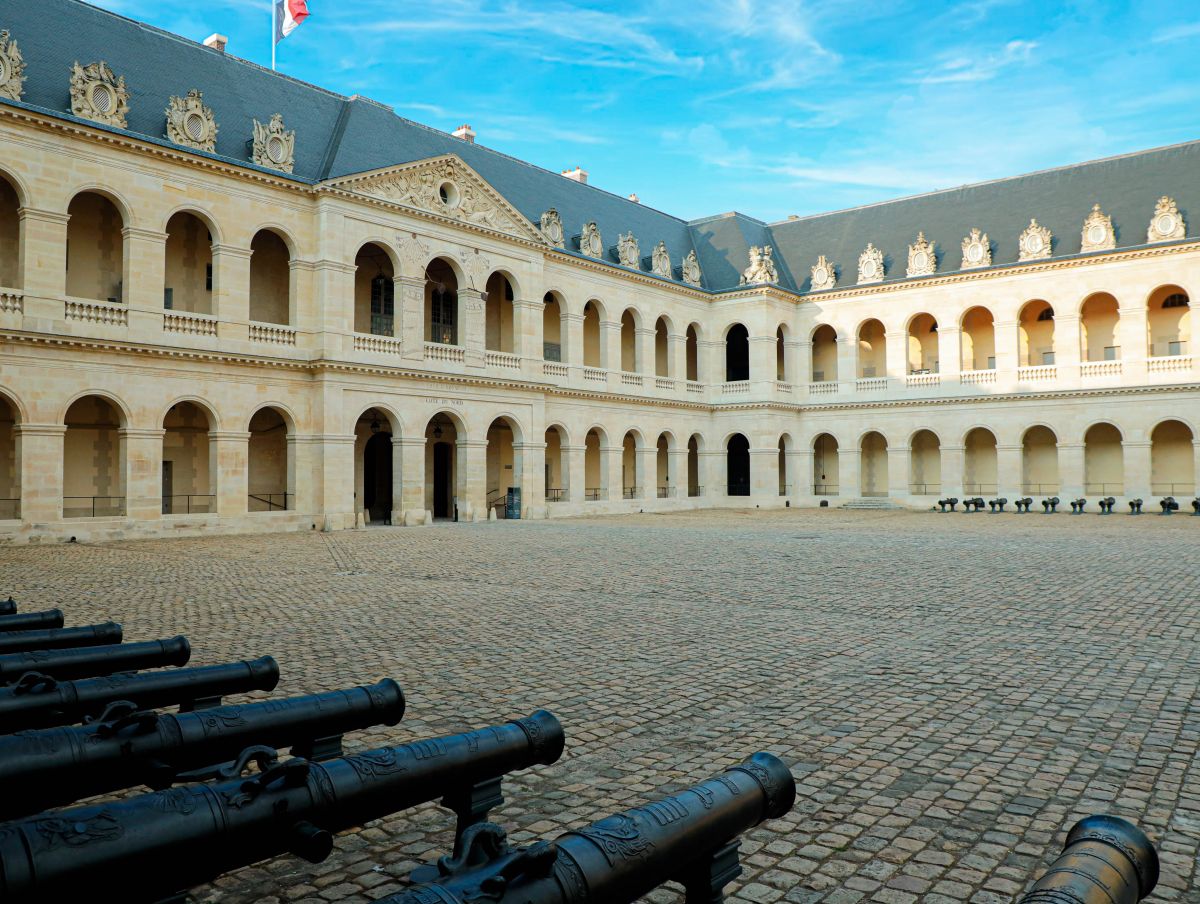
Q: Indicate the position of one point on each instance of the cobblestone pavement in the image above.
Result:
(952, 692)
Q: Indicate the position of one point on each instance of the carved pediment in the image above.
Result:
(445, 186)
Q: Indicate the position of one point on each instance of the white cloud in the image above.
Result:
(1177, 33)
(980, 67)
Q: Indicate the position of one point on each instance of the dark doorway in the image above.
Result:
(377, 478)
(443, 475)
(737, 354)
(738, 458)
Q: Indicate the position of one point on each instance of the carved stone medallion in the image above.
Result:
(98, 95)
(1098, 232)
(12, 68)
(976, 250)
(824, 275)
(191, 123)
(274, 146)
(660, 263)
(1167, 223)
(590, 242)
(870, 265)
(922, 259)
(552, 227)
(690, 271)
(1035, 242)
(628, 253)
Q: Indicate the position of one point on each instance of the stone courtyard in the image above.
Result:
(952, 692)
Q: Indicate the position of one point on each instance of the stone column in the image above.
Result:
(307, 473)
(334, 479)
(1070, 470)
(763, 359)
(472, 480)
(611, 472)
(531, 459)
(643, 339)
(473, 326)
(713, 476)
(764, 474)
(677, 359)
(228, 453)
(411, 451)
(800, 472)
(143, 472)
(847, 362)
(1007, 350)
(1067, 347)
(850, 470)
(40, 464)
(950, 361)
(1137, 478)
(231, 291)
(410, 294)
(897, 361)
(397, 513)
(528, 333)
(575, 474)
(42, 252)
(571, 336)
(953, 462)
(677, 473)
(898, 457)
(301, 310)
(646, 479)
(804, 365)
(610, 344)
(143, 278)
(710, 357)
(1134, 332)
(1008, 471)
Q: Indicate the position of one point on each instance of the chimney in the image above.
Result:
(577, 175)
(635, 199)
(465, 132)
(216, 42)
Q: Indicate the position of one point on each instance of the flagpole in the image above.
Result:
(274, 31)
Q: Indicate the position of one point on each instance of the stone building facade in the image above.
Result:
(230, 301)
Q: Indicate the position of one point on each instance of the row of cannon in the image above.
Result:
(82, 715)
(1168, 505)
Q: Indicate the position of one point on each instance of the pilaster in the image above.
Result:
(1008, 470)
(530, 463)
(40, 466)
(899, 464)
(953, 468)
(410, 295)
(474, 327)
(143, 472)
(472, 483)
(231, 291)
(228, 462)
(1138, 470)
(411, 452)
(764, 474)
(1070, 470)
(43, 238)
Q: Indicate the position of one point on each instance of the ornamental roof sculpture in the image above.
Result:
(628, 252)
(12, 68)
(98, 95)
(824, 275)
(922, 259)
(274, 147)
(552, 227)
(660, 264)
(590, 242)
(761, 269)
(690, 270)
(1167, 223)
(191, 123)
(976, 251)
(870, 265)
(1035, 242)
(1098, 234)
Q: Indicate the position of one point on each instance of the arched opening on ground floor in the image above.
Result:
(443, 477)
(785, 475)
(633, 481)
(925, 464)
(737, 465)
(189, 482)
(557, 471)
(594, 478)
(1172, 459)
(504, 469)
(980, 465)
(1039, 462)
(270, 468)
(873, 464)
(666, 488)
(375, 460)
(93, 460)
(1103, 460)
(825, 465)
(95, 248)
(693, 466)
(10, 462)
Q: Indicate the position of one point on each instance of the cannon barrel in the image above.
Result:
(8, 606)
(689, 838)
(90, 662)
(60, 638)
(56, 766)
(32, 621)
(1106, 860)
(156, 845)
(39, 701)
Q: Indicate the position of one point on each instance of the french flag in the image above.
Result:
(288, 16)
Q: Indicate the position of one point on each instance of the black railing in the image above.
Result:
(93, 506)
(1041, 489)
(738, 488)
(825, 489)
(594, 494)
(1161, 489)
(555, 494)
(383, 324)
(269, 502)
(693, 492)
(1104, 488)
(631, 492)
(979, 488)
(189, 504)
(785, 489)
(10, 509)
(666, 492)
(924, 489)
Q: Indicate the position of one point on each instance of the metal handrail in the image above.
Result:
(95, 506)
(594, 494)
(979, 488)
(1160, 489)
(274, 502)
(826, 489)
(555, 494)
(695, 492)
(631, 492)
(924, 489)
(1117, 488)
(666, 492)
(193, 504)
(1051, 489)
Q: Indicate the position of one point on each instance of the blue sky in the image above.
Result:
(770, 107)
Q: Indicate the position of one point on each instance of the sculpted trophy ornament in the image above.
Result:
(660, 263)
(274, 146)
(824, 275)
(690, 271)
(590, 242)
(191, 123)
(98, 95)
(1098, 232)
(628, 252)
(12, 68)
(1167, 223)
(976, 250)
(761, 269)
(870, 265)
(922, 259)
(1035, 242)
(552, 227)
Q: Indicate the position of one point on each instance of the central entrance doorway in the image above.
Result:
(377, 478)
(443, 480)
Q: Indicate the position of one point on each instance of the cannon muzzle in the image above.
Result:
(57, 766)
(156, 845)
(32, 621)
(8, 606)
(1106, 860)
(691, 838)
(60, 638)
(91, 662)
(40, 701)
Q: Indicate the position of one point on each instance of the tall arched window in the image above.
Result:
(737, 354)
(270, 278)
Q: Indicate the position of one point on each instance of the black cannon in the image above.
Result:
(57, 766)
(1023, 505)
(90, 662)
(949, 502)
(1106, 860)
(1168, 505)
(973, 505)
(1077, 506)
(1196, 507)
(39, 701)
(1050, 506)
(156, 845)
(1106, 505)
(997, 505)
(1135, 506)
(690, 838)
(8, 606)
(60, 638)
(32, 621)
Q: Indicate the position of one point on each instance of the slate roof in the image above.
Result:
(338, 136)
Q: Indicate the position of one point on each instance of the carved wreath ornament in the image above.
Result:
(1098, 232)
(628, 252)
(922, 260)
(661, 261)
(590, 242)
(1167, 223)
(12, 68)
(191, 123)
(691, 269)
(274, 146)
(870, 265)
(1035, 242)
(824, 275)
(976, 250)
(98, 95)
(552, 227)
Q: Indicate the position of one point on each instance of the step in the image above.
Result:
(872, 505)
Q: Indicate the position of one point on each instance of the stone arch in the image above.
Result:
(204, 405)
(923, 352)
(554, 312)
(663, 365)
(375, 269)
(499, 312)
(873, 463)
(824, 354)
(289, 417)
(692, 351)
(188, 272)
(631, 325)
(1099, 322)
(18, 185)
(1169, 321)
(594, 317)
(201, 214)
(444, 282)
(978, 331)
(93, 463)
(95, 252)
(271, 285)
(1103, 459)
(12, 415)
(737, 353)
(395, 422)
(270, 460)
(826, 466)
(924, 463)
(123, 412)
(980, 462)
(871, 348)
(1172, 458)
(737, 465)
(1039, 461)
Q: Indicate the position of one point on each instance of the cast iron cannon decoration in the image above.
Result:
(1106, 505)
(1168, 505)
(690, 838)
(1050, 506)
(973, 505)
(57, 766)
(997, 505)
(1077, 506)
(32, 621)
(1135, 506)
(1023, 505)
(8, 606)
(1106, 860)
(91, 662)
(1196, 507)
(40, 701)
(60, 638)
(153, 846)
(949, 502)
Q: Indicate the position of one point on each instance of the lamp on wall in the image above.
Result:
(375, 425)
(437, 431)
